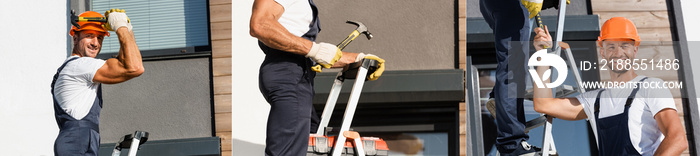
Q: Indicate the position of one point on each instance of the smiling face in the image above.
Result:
(618, 49)
(87, 43)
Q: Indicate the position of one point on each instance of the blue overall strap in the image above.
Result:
(55, 76)
(53, 82)
(596, 105)
(613, 131)
(315, 26)
(630, 98)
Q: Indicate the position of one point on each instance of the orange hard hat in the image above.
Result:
(96, 26)
(618, 28)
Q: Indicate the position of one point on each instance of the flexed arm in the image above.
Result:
(128, 63)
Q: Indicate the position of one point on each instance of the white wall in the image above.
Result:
(249, 107)
(33, 43)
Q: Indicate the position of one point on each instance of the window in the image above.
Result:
(161, 27)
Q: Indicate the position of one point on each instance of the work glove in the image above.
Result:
(533, 6)
(325, 54)
(380, 69)
(116, 18)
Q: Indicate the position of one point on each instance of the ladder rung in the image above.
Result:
(534, 123)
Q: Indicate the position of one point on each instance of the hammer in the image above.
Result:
(361, 29)
(75, 19)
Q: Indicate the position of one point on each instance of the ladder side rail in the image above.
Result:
(330, 104)
(134, 146)
(548, 140)
(577, 75)
(350, 109)
(560, 26)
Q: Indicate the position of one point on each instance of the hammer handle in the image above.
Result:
(348, 39)
(538, 19)
(92, 19)
(341, 46)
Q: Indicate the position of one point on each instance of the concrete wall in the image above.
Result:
(408, 34)
(30, 53)
(171, 100)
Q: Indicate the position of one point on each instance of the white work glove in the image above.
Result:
(325, 54)
(116, 18)
(380, 69)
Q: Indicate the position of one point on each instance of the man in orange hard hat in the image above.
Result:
(628, 119)
(76, 85)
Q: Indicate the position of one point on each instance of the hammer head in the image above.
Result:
(74, 19)
(361, 28)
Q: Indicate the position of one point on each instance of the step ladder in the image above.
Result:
(363, 145)
(132, 142)
(548, 147)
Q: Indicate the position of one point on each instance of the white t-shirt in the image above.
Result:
(645, 134)
(297, 16)
(74, 89)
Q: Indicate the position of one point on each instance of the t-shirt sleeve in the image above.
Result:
(88, 67)
(587, 100)
(285, 3)
(658, 99)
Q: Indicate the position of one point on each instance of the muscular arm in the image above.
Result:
(128, 63)
(674, 142)
(562, 108)
(264, 25)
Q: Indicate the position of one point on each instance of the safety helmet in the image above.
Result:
(618, 28)
(96, 26)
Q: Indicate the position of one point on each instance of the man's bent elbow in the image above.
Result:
(682, 142)
(135, 72)
(539, 105)
(255, 29)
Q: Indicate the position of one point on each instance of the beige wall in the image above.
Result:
(407, 36)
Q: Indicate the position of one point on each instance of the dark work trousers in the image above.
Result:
(77, 137)
(613, 131)
(286, 81)
(510, 23)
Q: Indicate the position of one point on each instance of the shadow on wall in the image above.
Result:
(241, 147)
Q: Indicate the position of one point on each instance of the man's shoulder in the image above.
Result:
(80, 60)
(86, 63)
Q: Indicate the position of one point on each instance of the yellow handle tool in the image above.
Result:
(361, 29)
